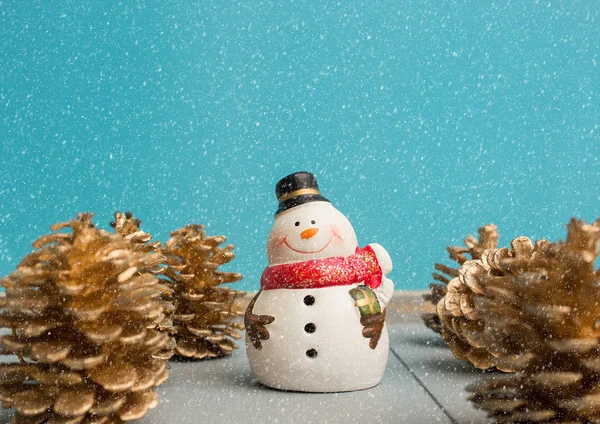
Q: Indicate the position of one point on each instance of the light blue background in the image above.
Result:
(421, 119)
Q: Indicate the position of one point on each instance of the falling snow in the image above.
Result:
(422, 120)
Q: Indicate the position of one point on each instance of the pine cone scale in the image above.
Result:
(108, 403)
(137, 404)
(115, 377)
(101, 333)
(31, 401)
(75, 401)
(84, 362)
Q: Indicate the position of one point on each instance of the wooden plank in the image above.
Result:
(429, 359)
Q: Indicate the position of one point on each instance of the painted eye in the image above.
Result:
(313, 222)
(297, 224)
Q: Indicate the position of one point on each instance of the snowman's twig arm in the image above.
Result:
(373, 327)
(255, 324)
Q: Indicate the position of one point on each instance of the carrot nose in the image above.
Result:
(306, 234)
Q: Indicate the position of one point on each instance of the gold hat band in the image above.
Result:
(298, 193)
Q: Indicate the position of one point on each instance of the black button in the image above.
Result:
(309, 300)
(311, 353)
(310, 327)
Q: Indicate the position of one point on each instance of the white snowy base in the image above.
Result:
(344, 360)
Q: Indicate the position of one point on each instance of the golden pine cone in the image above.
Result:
(464, 324)
(83, 310)
(488, 239)
(549, 311)
(206, 318)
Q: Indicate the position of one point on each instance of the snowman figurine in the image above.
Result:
(318, 322)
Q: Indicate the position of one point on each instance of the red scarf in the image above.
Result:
(362, 267)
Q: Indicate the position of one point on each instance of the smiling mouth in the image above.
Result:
(307, 252)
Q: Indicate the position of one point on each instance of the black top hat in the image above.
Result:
(297, 189)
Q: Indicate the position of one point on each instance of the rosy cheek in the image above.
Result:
(275, 242)
(337, 233)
